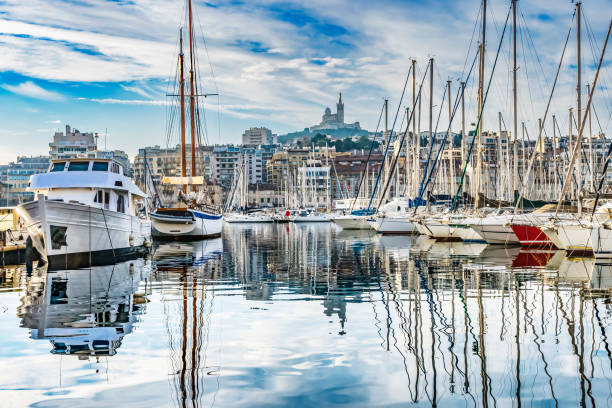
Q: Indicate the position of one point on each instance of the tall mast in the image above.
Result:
(591, 162)
(387, 138)
(570, 134)
(515, 131)
(407, 180)
(499, 167)
(416, 138)
(182, 96)
(555, 163)
(578, 64)
(431, 136)
(451, 161)
(192, 97)
(579, 104)
(480, 104)
(463, 126)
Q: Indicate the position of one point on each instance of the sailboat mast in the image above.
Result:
(555, 159)
(579, 104)
(515, 115)
(416, 138)
(578, 64)
(431, 136)
(463, 127)
(182, 96)
(591, 163)
(451, 159)
(387, 138)
(192, 97)
(480, 105)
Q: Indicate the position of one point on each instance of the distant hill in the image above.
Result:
(333, 133)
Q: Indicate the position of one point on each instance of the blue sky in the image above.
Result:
(104, 66)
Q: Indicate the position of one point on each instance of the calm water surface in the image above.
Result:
(304, 315)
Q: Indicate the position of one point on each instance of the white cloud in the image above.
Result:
(115, 101)
(137, 46)
(55, 122)
(134, 89)
(31, 90)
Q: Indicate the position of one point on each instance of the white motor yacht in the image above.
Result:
(87, 212)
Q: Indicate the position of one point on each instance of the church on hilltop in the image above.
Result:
(335, 120)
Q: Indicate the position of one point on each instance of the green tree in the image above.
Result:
(319, 140)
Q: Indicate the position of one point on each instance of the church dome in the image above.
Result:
(327, 111)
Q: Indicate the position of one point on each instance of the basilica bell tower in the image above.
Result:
(340, 109)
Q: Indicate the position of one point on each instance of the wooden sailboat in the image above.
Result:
(195, 218)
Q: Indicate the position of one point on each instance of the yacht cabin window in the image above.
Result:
(102, 197)
(115, 168)
(120, 203)
(58, 166)
(99, 166)
(78, 166)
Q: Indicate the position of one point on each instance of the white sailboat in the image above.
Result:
(309, 215)
(495, 229)
(393, 218)
(87, 212)
(355, 220)
(241, 215)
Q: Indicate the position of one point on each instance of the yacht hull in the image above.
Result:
(309, 218)
(531, 236)
(496, 234)
(553, 234)
(575, 239)
(352, 222)
(442, 231)
(194, 225)
(393, 225)
(421, 228)
(247, 219)
(74, 235)
(467, 234)
(601, 241)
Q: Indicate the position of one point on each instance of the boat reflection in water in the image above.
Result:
(306, 315)
(84, 312)
(465, 324)
(183, 269)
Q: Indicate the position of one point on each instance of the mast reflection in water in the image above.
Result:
(304, 315)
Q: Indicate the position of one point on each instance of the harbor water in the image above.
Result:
(306, 315)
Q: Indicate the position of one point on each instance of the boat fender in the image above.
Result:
(131, 239)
